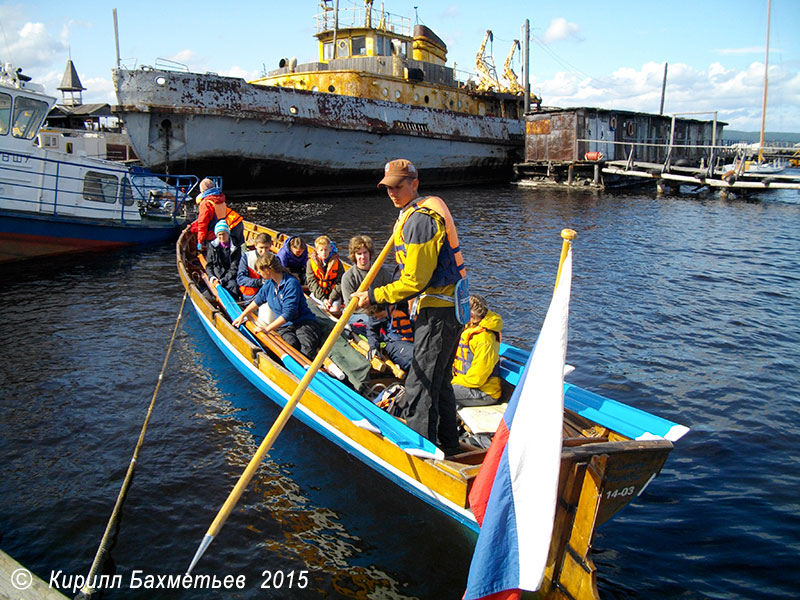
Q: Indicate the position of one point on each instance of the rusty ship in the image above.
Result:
(380, 88)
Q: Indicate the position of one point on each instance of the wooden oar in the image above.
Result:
(271, 339)
(363, 347)
(286, 413)
(376, 362)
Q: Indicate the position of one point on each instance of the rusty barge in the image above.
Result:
(378, 89)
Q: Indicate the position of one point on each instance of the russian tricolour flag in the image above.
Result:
(514, 495)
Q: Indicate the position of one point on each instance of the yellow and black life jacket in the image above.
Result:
(450, 267)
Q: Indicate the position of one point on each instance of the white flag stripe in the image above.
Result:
(534, 444)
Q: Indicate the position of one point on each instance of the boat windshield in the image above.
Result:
(5, 112)
(28, 117)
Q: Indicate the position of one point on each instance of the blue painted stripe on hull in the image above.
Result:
(627, 420)
(622, 418)
(263, 384)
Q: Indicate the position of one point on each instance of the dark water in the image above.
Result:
(683, 306)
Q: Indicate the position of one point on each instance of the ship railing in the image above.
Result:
(166, 64)
(360, 16)
(128, 64)
(464, 78)
(99, 190)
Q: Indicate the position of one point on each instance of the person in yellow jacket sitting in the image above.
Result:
(476, 381)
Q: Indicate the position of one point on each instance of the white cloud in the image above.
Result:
(561, 29)
(28, 44)
(236, 71)
(99, 89)
(735, 94)
(187, 57)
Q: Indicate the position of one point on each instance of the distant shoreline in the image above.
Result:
(733, 135)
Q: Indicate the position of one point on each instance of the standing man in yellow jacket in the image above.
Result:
(428, 254)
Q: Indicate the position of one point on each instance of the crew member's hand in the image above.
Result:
(363, 299)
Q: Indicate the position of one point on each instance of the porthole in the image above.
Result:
(385, 92)
(293, 110)
(331, 88)
(416, 97)
(161, 80)
(397, 94)
(427, 100)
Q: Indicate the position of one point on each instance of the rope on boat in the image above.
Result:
(87, 591)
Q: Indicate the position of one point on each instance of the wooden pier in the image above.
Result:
(720, 179)
(18, 583)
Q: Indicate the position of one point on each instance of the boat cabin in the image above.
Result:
(21, 114)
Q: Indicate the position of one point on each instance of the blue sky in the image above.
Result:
(583, 53)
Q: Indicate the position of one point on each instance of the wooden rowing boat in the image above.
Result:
(610, 451)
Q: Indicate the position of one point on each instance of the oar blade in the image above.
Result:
(207, 539)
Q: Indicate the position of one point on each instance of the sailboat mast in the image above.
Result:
(764, 103)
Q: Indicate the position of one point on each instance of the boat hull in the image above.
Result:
(24, 236)
(284, 138)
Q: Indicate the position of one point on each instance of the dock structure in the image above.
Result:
(569, 146)
(722, 180)
(18, 583)
(599, 148)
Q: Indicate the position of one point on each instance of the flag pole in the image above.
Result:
(567, 235)
(286, 413)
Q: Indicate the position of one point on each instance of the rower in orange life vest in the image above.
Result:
(212, 208)
(427, 251)
(476, 380)
(324, 275)
(247, 277)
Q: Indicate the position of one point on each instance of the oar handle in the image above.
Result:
(567, 235)
(287, 410)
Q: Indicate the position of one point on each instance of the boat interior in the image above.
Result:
(477, 424)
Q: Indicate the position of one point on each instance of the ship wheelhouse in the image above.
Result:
(391, 61)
